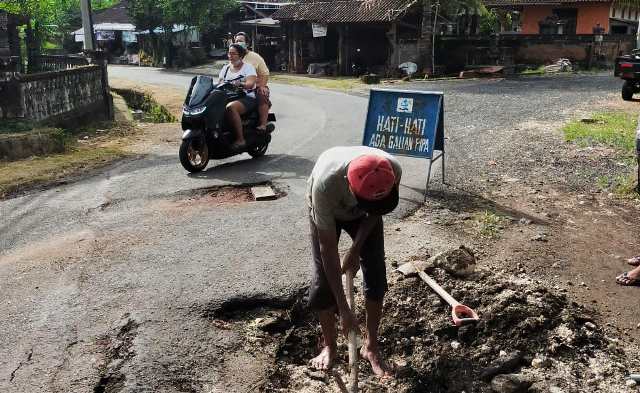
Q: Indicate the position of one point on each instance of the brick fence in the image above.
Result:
(57, 97)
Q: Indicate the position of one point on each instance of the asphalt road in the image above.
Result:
(104, 282)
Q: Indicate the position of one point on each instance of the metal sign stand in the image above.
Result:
(439, 145)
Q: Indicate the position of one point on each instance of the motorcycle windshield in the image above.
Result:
(201, 90)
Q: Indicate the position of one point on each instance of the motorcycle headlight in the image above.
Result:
(195, 111)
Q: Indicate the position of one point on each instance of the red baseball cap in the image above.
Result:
(373, 183)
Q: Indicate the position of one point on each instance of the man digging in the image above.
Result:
(349, 189)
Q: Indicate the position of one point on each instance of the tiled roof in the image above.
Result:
(343, 11)
(498, 3)
(116, 14)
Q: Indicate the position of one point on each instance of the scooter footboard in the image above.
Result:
(191, 134)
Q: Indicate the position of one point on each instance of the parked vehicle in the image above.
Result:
(628, 68)
(206, 133)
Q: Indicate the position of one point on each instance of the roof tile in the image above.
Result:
(343, 11)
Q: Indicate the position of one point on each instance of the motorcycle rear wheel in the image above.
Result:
(194, 154)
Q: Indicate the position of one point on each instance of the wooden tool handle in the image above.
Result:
(437, 288)
(353, 345)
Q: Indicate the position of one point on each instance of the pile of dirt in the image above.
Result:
(529, 339)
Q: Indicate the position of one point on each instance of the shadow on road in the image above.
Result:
(462, 201)
(276, 166)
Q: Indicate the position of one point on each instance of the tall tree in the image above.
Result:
(152, 14)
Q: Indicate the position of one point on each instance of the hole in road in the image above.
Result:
(267, 314)
(243, 193)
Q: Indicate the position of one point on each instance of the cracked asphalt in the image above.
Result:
(104, 282)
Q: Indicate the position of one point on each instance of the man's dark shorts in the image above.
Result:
(249, 103)
(371, 262)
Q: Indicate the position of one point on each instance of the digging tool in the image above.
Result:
(460, 313)
(353, 344)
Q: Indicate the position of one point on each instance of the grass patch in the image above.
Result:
(333, 83)
(18, 175)
(153, 112)
(86, 148)
(613, 129)
(622, 185)
(15, 126)
(626, 186)
(489, 224)
(534, 71)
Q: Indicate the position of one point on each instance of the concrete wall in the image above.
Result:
(56, 97)
(589, 14)
(578, 52)
(509, 49)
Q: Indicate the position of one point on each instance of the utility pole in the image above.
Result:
(87, 25)
(637, 35)
(434, 32)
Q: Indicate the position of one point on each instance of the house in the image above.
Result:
(254, 18)
(571, 17)
(114, 32)
(348, 37)
(591, 33)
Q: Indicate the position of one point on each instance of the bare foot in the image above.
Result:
(324, 361)
(378, 365)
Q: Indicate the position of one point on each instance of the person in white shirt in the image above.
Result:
(247, 73)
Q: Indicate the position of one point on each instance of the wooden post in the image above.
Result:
(290, 50)
(294, 47)
(638, 155)
(426, 35)
(347, 50)
(341, 59)
(353, 345)
(87, 25)
(394, 55)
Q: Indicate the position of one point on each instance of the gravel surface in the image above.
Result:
(509, 128)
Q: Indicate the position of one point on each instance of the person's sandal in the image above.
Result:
(238, 147)
(267, 129)
(627, 281)
(634, 261)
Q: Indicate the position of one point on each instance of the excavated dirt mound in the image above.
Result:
(528, 340)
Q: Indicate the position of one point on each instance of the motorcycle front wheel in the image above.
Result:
(194, 154)
(258, 150)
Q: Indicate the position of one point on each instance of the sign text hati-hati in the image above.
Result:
(404, 133)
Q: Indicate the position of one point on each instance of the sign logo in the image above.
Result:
(405, 105)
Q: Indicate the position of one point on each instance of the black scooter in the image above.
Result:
(206, 133)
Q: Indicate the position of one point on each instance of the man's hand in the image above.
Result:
(263, 91)
(351, 261)
(348, 322)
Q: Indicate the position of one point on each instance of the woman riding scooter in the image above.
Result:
(247, 73)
